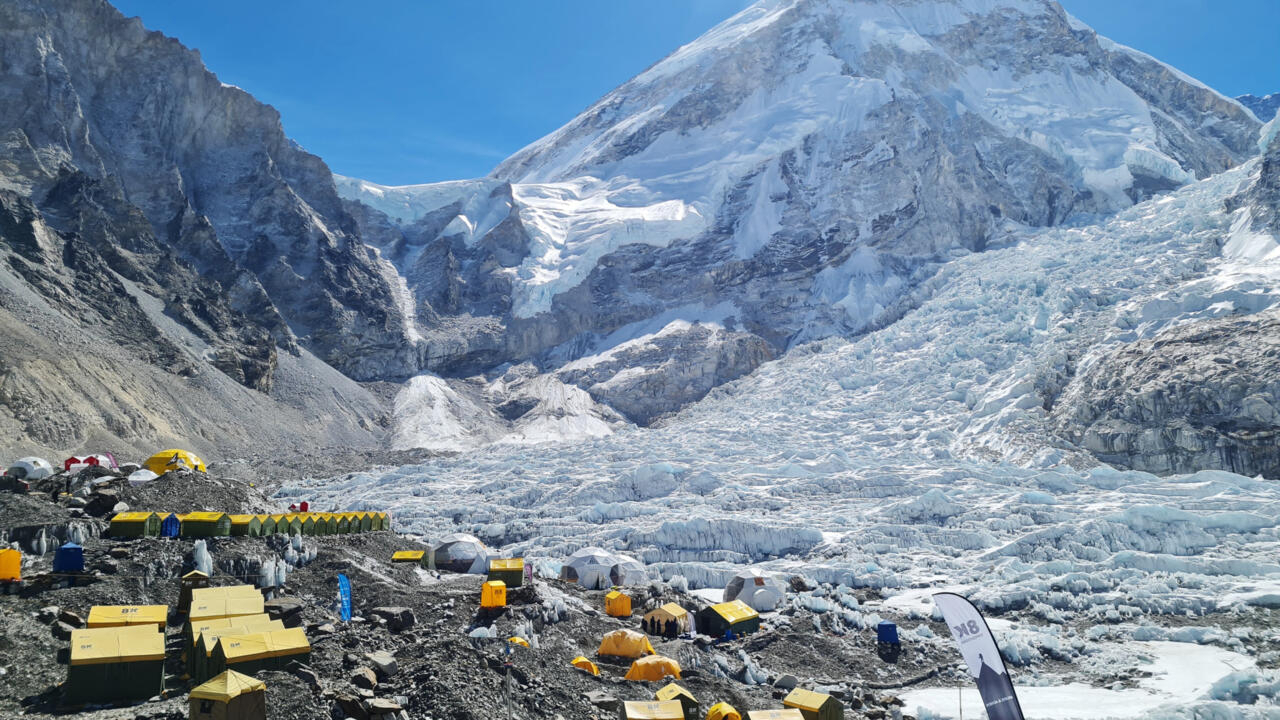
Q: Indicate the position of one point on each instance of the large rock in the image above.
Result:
(1201, 395)
(397, 618)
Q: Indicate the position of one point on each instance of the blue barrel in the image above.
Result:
(68, 558)
(887, 632)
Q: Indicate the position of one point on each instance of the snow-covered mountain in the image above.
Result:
(793, 174)
(952, 449)
(1264, 107)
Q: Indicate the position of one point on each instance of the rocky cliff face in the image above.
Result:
(161, 222)
(790, 175)
(1203, 395)
(206, 165)
(1265, 107)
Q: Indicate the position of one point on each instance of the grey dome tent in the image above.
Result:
(30, 468)
(460, 553)
(760, 590)
(590, 567)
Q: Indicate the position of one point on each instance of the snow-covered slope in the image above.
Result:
(807, 163)
(928, 454)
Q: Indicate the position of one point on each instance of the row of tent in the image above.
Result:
(217, 524)
(36, 468)
(674, 702)
(120, 655)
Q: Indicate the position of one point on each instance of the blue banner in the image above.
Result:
(344, 591)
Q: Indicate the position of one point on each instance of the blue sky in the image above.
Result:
(404, 92)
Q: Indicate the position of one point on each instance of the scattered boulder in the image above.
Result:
(364, 678)
(285, 609)
(120, 553)
(48, 614)
(62, 631)
(786, 682)
(71, 618)
(384, 663)
(602, 700)
(396, 618)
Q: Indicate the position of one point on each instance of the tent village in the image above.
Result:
(227, 634)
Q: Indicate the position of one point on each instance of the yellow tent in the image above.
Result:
(413, 556)
(260, 651)
(233, 601)
(814, 705)
(101, 616)
(654, 668)
(680, 695)
(116, 663)
(723, 711)
(787, 714)
(198, 661)
(493, 594)
(582, 663)
(655, 621)
(665, 710)
(518, 641)
(230, 696)
(617, 604)
(166, 460)
(625, 643)
(10, 565)
(508, 570)
(223, 622)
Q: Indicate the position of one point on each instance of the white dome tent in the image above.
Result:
(590, 567)
(30, 468)
(762, 591)
(460, 553)
(627, 571)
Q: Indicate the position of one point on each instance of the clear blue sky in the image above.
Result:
(404, 91)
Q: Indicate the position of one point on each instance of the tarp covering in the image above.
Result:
(518, 641)
(414, 556)
(173, 459)
(654, 668)
(663, 710)
(734, 611)
(199, 664)
(121, 615)
(617, 604)
(582, 663)
(226, 686)
(723, 711)
(760, 590)
(98, 646)
(170, 525)
(625, 643)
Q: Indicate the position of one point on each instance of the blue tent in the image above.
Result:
(68, 558)
(887, 633)
(169, 526)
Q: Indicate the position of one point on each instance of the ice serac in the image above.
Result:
(806, 163)
(208, 166)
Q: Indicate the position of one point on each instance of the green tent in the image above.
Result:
(268, 524)
(115, 664)
(250, 653)
(135, 524)
(814, 705)
(246, 525)
(205, 524)
(734, 615)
